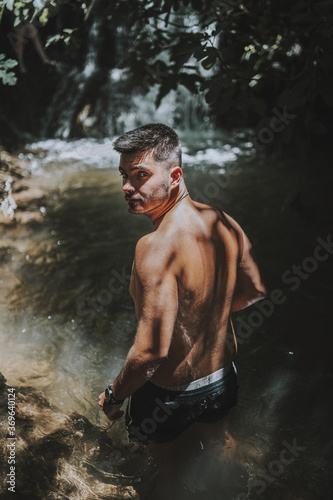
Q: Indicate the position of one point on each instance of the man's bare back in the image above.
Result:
(200, 247)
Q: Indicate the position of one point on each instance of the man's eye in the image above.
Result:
(142, 174)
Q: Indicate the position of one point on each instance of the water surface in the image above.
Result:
(68, 322)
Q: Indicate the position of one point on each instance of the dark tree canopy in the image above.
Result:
(248, 58)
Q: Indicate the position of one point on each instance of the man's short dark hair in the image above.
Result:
(156, 137)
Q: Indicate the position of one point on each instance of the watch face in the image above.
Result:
(107, 395)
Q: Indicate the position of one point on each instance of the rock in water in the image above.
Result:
(61, 456)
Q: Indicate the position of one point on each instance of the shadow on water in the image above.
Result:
(69, 321)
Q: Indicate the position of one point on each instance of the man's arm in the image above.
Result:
(156, 307)
(250, 286)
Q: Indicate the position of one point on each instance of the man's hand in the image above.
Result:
(111, 411)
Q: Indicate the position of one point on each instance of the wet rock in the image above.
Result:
(64, 456)
(5, 254)
(28, 197)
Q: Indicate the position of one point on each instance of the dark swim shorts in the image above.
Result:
(160, 415)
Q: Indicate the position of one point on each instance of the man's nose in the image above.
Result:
(128, 187)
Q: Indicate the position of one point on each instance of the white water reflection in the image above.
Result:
(83, 154)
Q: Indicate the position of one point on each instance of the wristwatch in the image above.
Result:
(109, 397)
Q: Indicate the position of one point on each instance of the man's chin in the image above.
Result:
(134, 207)
(134, 210)
(140, 207)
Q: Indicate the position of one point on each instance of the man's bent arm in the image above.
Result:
(138, 368)
(250, 286)
(157, 307)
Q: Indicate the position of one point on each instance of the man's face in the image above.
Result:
(146, 184)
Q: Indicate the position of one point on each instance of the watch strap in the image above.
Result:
(109, 397)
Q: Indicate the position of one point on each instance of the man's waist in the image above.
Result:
(200, 382)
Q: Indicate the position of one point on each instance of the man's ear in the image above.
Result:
(176, 175)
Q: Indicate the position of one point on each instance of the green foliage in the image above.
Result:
(7, 77)
(248, 56)
(65, 36)
(26, 10)
(38, 11)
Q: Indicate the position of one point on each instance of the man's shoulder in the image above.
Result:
(217, 213)
(152, 253)
(148, 243)
(205, 208)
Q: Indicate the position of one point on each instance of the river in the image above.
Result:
(68, 322)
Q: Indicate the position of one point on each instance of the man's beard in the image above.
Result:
(143, 204)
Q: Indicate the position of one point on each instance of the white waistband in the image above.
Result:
(200, 382)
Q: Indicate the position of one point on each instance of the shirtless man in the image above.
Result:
(189, 274)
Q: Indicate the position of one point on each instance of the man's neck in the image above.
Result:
(158, 214)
